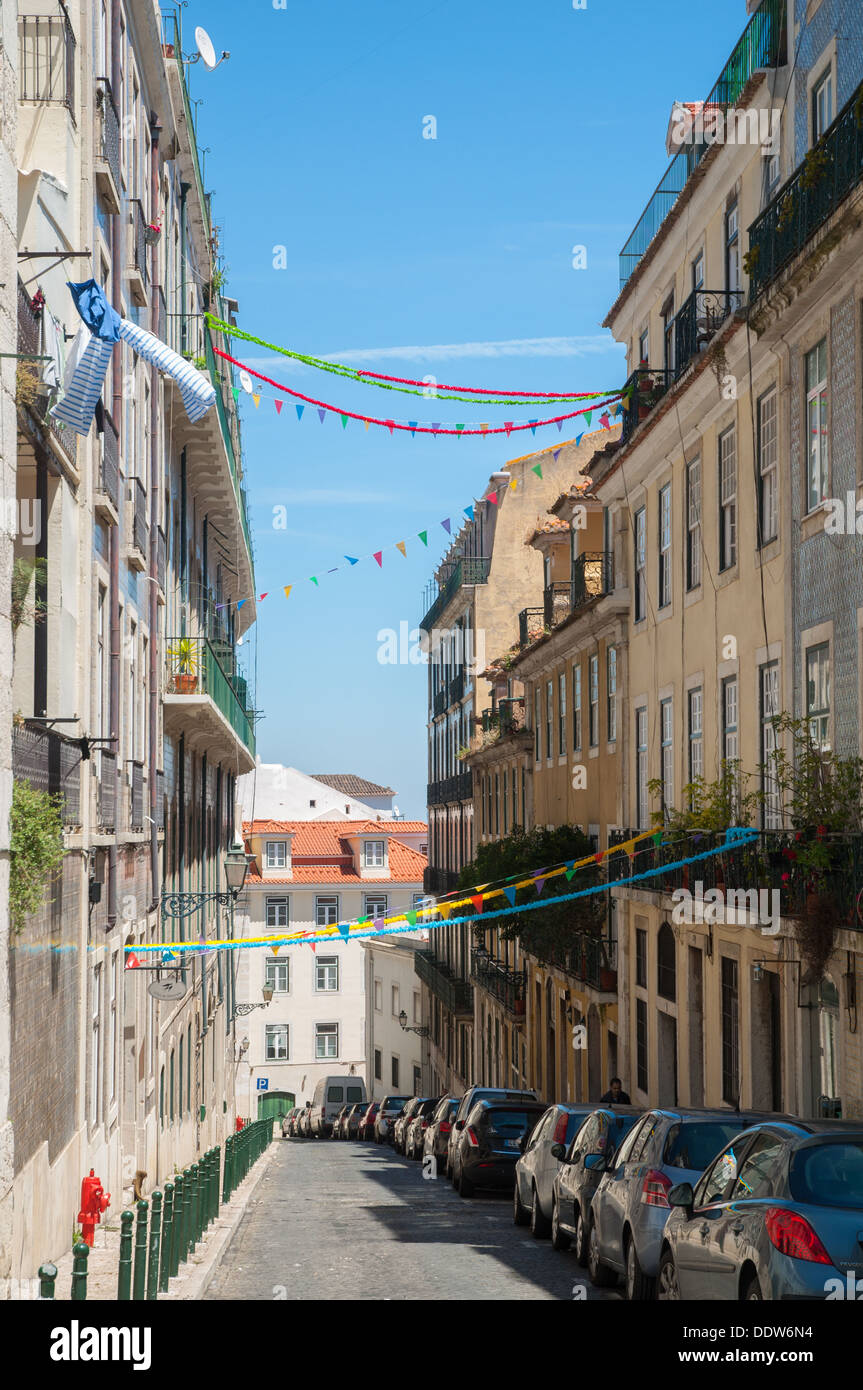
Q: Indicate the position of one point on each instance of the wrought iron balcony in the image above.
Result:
(107, 169)
(531, 624)
(50, 763)
(139, 275)
(591, 960)
(161, 559)
(509, 987)
(699, 320)
(462, 571)
(138, 511)
(456, 687)
(194, 670)
(160, 801)
(592, 577)
(643, 390)
(507, 717)
(46, 59)
(106, 807)
(437, 881)
(31, 395)
(449, 790)
(136, 795)
(439, 702)
(557, 602)
(453, 992)
(107, 499)
(830, 172)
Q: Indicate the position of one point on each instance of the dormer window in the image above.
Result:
(276, 854)
(313, 803)
(373, 854)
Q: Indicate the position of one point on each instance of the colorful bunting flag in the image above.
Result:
(299, 410)
(400, 545)
(478, 900)
(468, 511)
(510, 896)
(379, 556)
(540, 884)
(447, 526)
(278, 405)
(288, 588)
(344, 422)
(411, 918)
(321, 414)
(537, 469)
(256, 398)
(424, 537)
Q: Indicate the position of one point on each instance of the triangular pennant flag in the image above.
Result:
(657, 837)
(400, 545)
(435, 426)
(241, 602)
(262, 596)
(478, 900)
(510, 896)
(554, 454)
(492, 497)
(299, 409)
(344, 422)
(484, 428)
(275, 950)
(559, 424)
(390, 424)
(132, 962)
(236, 393)
(444, 909)
(278, 405)
(599, 856)
(507, 424)
(604, 420)
(533, 424)
(321, 413)
(587, 416)
(468, 511)
(570, 870)
(379, 556)
(579, 437)
(288, 588)
(537, 469)
(344, 930)
(540, 884)
(459, 428)
(447, 525)
(413, 427)
(313, 579)
(256, 398)
(424, 537)
(334, 568)
(411, 918)
(367, 423)
(352, 559)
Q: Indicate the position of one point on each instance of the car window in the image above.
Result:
(510, 1124)
(335, 1093)
(355, 1093)
(578, 1139)
(829, 1175)
(613, 1136)
(694, 1144)
(643, 1139)
(722, 1171)
(624, 1153)
(585, 1140)
(760, 1171)
(541, 1130)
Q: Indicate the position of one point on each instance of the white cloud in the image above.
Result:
(586, 346)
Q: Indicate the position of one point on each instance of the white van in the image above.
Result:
(331, 1093)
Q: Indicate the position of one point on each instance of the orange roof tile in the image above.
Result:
(321, 851)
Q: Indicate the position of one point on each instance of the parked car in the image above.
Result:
(289, 1122)
(490, 1141)
(390, 1109)
(338, 1121)
(630, 1205)
(602, 1132)
(466, 1104)
(777, 1214)
(401, 1123)
(535, 1171)
(331, 1093)
(366, 1127)
(417, 1126)
(302, 1123)
(437, 1133)
(351, 1122)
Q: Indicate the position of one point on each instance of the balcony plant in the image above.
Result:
(183, 656)
(152, 232)
(35, 850)
(815, 166)
(24, 571)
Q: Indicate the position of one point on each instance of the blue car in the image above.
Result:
(778, 1214)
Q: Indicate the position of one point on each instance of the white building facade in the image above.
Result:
(396, 1055)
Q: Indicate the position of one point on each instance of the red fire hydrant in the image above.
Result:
(239, 1124)
(94, 1200)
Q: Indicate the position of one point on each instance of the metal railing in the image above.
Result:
(592, 576)
(139, 240)
(508, 987)
(193, 668)
(160, 800)
(830, 172)
(136, 796)
(439, 702)
(46, 59)
(453, 992)
(507, 717)
(591, 960)
(465, 570)
(456, 687)
(699, 320)
(437, 881)
(172, 38)
(109, 464)
(106, 805)
(531, 624)
(228, 421)
(450, 789)
(557, 602)
(109, 138)
(138, 503)
(50, 763)
(642, 391)
(30, 344)
(161, 559)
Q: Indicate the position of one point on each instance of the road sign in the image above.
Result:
(263, 1083)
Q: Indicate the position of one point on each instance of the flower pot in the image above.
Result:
(519, 1006)
(607, 978)
(151, 235)
(185, 683)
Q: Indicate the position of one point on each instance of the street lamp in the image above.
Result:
(267, 992)
(403, 1024)
(236, 867)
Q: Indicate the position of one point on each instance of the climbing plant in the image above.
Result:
(35, 850)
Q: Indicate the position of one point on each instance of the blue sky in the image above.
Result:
(455, 251)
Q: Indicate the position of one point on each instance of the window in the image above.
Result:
(394, 1072)
(698, 271)
(576, 707)
(326, 1040)
(277, 912)
(113, 1018)
(394, 1000)
(549, 716)
(822, 105)
(640, 597)
(537, 725)
(668, 334)
(418, 1080)
(277, 975)
(379, 1063)
(373, 854)
(730, 1034)
(818, 694)
(730, 744)
(276, 1042)
(817, 456)
(96, 1047)
(327, 973)
(732, 250)
(379, 996)
(643, 346)
(695, 702)
(561, 714)
(772, 168)
(722, 1171)
(326, 911)
(171, 1086)
(376, 905)
(641, 957)
(611, 692)
(593, 710)
(665, 545)
(768, 685)
(768, 472)
(666, 963)
(180, 1074)
(276, 854)
(641, 1044)
(693, 524)
(666, 723)
(641, 767)
(727, 499)
(419, 898)
(760, 1169)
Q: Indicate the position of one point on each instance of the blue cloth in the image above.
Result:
(100, 318)
(85, 376)
(197, 392)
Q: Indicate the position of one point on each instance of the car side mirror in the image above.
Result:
(596, 1163)
(681, 1195)
(558, 1151)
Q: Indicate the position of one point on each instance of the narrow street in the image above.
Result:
(354, 1221)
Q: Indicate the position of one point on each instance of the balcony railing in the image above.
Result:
(160, 801)
(109, 140)
(31, 346)
(761, 45)
(109, 464)
(591, 960)
(830, 172)
(456, 687)
(229, 423)
(161, 559)
(193, 668)
(592, 577)
(699, 320)
(643, 390)
(439, 702)
(454, 993)
(139, 241)
(136, 796)
(138, 501)
(463, 571)
(507, 717)
(106, 809)
(46, 59)
(557, 602)
(531, 624)
(437, 881)
(50, 763)
(509, 987)
(450, 789)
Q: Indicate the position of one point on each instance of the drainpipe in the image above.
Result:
(155, 481)
(117, 240)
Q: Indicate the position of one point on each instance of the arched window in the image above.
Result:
(666, 963)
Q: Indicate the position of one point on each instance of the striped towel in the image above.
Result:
(197, 393)
(85, 376)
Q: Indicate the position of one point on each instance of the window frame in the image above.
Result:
(664, 586)
(817, 395)
(322, 1032)
(727, 510)
(819, 712)
(279, 861)
(272, 1031)
(611, 693)
(693, 524)
(768, 473)
(276, 903)
(640, 549)
(325, 901)
(695, 731)
(275, 966)
(326, 964)
(577, 731)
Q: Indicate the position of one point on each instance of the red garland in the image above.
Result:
(479, 390)
(414, 429)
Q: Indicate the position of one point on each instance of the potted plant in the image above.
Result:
(152, 232)
(184, 666)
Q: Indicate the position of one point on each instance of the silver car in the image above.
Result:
(777, 1215)
(536, 1170)
(630, 1205)
(602, 1132)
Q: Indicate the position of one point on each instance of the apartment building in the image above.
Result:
(130, 704)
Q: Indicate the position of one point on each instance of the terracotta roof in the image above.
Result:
(321, 851)
(351, 785)
(546, 527)
(329, 831)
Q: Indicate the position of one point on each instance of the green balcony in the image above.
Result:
(205, 698)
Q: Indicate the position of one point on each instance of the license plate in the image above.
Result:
(511, 1143)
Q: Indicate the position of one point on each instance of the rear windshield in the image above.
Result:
(396, 1102)
(355, 1093)
(335, 1093)
(697, 1144)
(511, 1123)
(829, 1175)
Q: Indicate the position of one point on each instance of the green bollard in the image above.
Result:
(139, 1278)
(208, 1188)
(155, 1246)
(47, 1278)
(196, 1203)
(167, 1239)
(177, 1231)
(217, 1180)
(124, 1278)
(199, 1205)
(191, 1193)
(187, 1214)
(214, 1186)
(80, 1256)
(229, 1167)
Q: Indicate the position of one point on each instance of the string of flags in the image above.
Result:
(439, 913)
(492, 497)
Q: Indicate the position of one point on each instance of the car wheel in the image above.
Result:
(638, 1285)
(668, 1289)
(559, 1239)
(752, 1290)
(540, 1226)
(581, 1239)
(520, 1213)
(465, 1187)
(600, 1274)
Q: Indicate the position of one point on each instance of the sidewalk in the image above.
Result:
(194, 1275)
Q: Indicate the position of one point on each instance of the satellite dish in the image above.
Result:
(204, 45)
(166, 989)
(246, 383)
